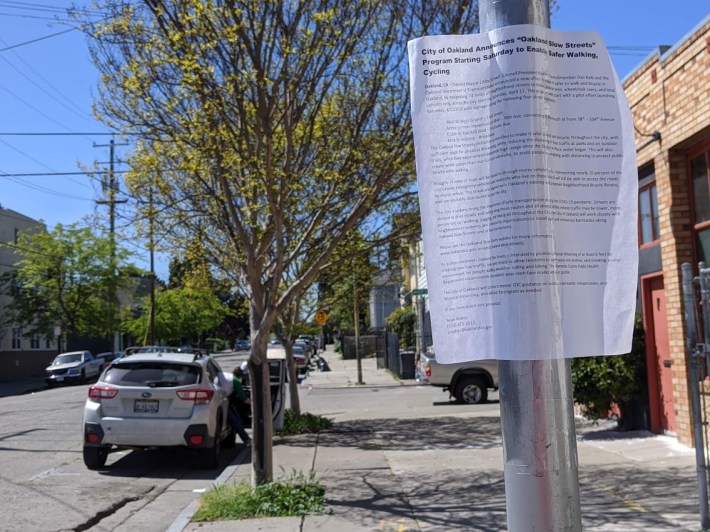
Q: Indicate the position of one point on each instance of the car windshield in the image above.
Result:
(152, 374)
(67, 359)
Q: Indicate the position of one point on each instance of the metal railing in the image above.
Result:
(697, 353)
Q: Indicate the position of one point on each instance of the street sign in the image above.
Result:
(420, 291)
(321, 317)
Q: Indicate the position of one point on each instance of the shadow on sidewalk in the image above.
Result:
(631, 497)
(410, 434)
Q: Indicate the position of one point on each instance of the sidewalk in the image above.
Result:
(401, 457)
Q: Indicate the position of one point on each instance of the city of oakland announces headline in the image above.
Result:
(526, 168)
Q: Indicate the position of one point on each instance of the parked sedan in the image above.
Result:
(150, 400)
(242, 345)
(301, 359)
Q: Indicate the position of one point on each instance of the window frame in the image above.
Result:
(699, 227)
(16, 340)
(647, 182)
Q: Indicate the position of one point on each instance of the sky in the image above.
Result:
(47, 85)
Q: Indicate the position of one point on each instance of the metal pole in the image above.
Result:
(151, 243)
(356, 317)
(537, 418)
(705, 302)
(422, 323)
(693, 377)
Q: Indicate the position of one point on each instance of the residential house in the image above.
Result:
(669, 95)
(384, 297)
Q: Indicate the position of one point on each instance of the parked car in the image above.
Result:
(305, 345)
(468, 382)
(74, 366)
(301, 359)
(311, 341)
(242, 345)
(423, 368)
(163, 399)
(109, 357)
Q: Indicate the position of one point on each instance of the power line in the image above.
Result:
(47, 190)
(36, 40)
(55, 134)
(74, 108)
(40, 163)
(62, 173)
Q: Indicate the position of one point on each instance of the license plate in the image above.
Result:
(149, 406)
(59, 379)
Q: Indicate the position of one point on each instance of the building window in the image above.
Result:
(48, 342)
(17, 338)
(701, 192)
(649, 230)
(699, 175)
(34, 341)
(648, 214)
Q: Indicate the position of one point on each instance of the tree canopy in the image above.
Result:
(65, 280)
(275, 128)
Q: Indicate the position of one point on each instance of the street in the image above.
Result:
(400, 456)
(45, 486)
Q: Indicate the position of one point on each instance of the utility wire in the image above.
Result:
(57, 134)
(39, 162)
(74, 108)
(36, 40)
(47, 190)
(42, 174)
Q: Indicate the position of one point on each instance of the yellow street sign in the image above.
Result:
(321, 317)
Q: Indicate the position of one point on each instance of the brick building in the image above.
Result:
(669, 95)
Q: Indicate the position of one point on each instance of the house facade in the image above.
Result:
(669, 96)
(384, 297)
(20, 356)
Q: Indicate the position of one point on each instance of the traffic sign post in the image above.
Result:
(321, 317)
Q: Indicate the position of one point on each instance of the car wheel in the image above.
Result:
(471, 390)
(95, 457)
(210, 457)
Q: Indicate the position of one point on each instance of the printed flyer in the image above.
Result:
(526, 168)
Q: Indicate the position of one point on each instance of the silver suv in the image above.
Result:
(148, 400)
(468, 382)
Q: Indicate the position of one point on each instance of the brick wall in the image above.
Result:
(671, 94)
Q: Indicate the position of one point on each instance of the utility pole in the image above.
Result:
(537, 418)
(356, 317)
(111, 202)
(151, 243)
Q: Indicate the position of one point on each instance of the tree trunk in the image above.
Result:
(262, 460)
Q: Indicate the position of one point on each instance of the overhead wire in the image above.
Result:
(72, 107)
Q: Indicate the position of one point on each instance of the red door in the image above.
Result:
(660, 362)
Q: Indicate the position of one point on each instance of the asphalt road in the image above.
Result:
(44, 485)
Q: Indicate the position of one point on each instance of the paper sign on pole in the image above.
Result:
(526, 168)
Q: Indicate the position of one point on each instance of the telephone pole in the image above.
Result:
(111, 202)
(537, 419)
